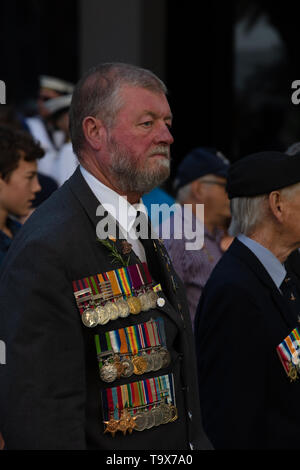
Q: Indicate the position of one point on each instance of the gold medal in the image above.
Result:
(139, 365)
(292, 372)
(174, 413)
(111, 426)
(126, 423)
(134, 305)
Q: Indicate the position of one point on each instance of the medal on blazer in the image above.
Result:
(115, 294)
(289, 354)
(136, 349)
(139, 405)
(126, 422)
(111, 427)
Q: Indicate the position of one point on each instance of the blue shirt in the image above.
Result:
(275, 269)
(5, 240)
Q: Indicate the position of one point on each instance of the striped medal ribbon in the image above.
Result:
(289, 354)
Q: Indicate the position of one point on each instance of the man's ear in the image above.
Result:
(196, 189)
(276, 204)
(93, 130)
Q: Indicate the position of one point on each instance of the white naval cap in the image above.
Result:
(56, 84)
(57, 104)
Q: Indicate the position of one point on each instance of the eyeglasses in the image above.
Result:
(219, 183)
(44, 98)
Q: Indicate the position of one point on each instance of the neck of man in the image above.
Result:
(274, 241)
(110, 181)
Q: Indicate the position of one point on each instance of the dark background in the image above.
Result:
(202, 68)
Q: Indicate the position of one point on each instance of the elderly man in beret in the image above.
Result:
(247, 322)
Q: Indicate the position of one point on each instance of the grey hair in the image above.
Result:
(248, 212)
(97, 94)
(183, 193)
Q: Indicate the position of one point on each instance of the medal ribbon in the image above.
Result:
(137, 394)
(114, 283)
(132, 338)
(135, 277)
(81, 285)
(124, 281)
(289, 348)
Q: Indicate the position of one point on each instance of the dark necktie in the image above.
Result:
(290, 292)
(143, 231)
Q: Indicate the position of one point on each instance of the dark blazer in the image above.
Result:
(247, 400)
(50, 386)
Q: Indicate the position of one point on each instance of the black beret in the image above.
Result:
(261, 173)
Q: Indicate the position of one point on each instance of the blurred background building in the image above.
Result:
(229, 66)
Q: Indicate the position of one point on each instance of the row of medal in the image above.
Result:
(116, 294)
(289, 354)
(139, 405)
(161, 413)
(136, 349)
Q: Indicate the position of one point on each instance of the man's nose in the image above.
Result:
(36, 185)
(164, 135)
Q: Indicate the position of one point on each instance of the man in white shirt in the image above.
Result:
(98, 335)
(40, 126)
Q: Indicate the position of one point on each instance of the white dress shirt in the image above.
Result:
(119, 208)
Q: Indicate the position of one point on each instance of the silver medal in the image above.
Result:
(89, 318)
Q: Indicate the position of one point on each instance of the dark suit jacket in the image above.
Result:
(246, 398)
(50, 386)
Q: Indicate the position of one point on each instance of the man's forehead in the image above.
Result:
(144, 100)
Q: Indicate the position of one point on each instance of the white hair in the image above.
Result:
(248, 212)
(184, 193)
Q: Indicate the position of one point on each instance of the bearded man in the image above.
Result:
(98, 338)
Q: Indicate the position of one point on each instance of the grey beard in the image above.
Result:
(133, 179)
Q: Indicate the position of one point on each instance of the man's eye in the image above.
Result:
(147, 123)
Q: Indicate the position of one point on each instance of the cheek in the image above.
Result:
(15, 195)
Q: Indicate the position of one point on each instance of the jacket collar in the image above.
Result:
(246, 256)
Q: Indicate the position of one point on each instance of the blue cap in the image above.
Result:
(200, 162)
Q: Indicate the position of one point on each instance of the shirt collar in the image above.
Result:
(118, 206)
(275, 269)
